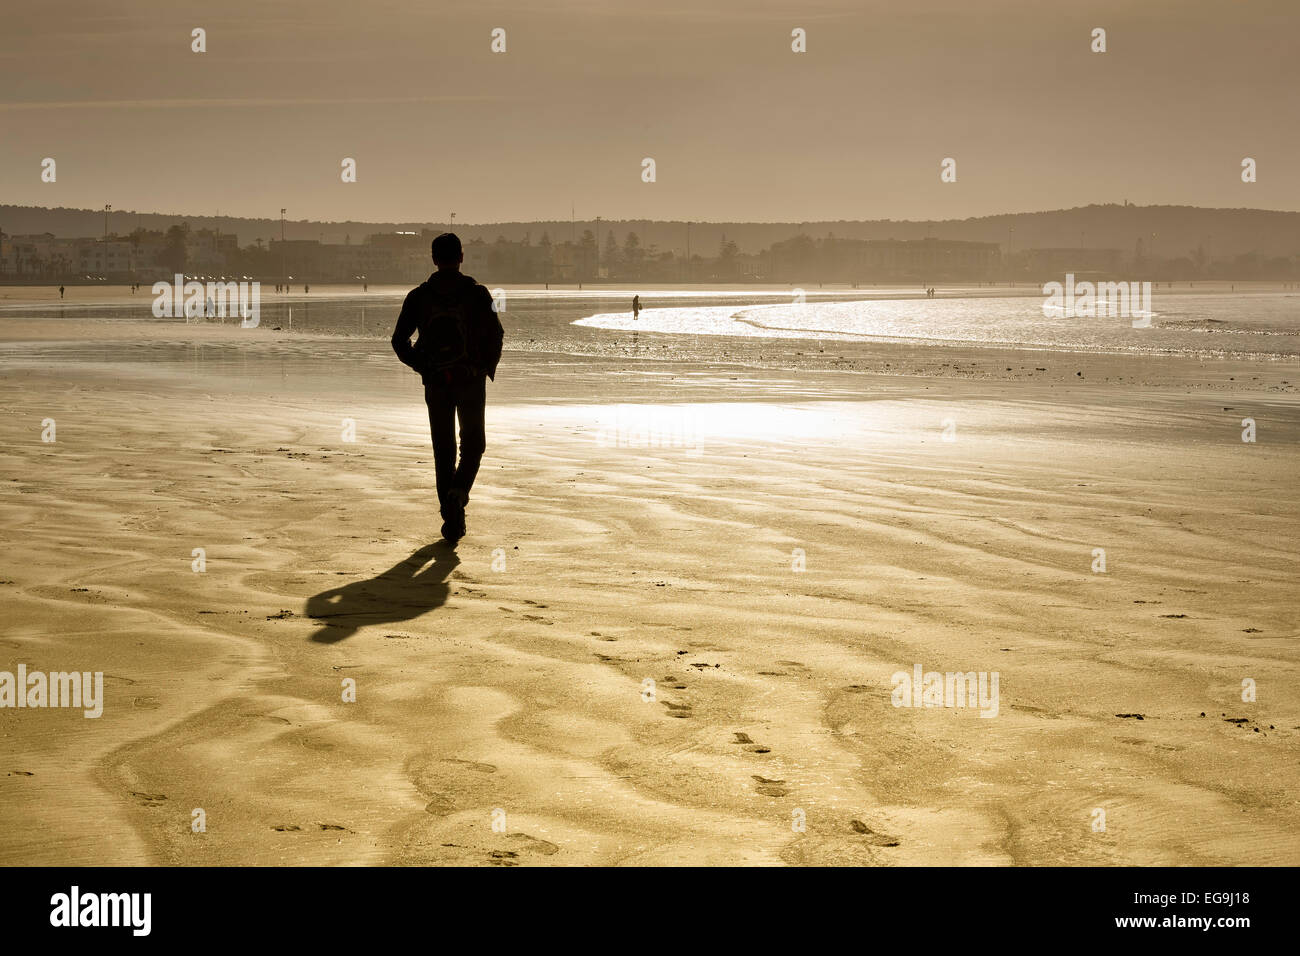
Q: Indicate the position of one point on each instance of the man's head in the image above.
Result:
(447, 253)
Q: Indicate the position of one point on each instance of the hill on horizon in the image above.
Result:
(1167, 231)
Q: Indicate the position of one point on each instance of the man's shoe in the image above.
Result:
(453, 525)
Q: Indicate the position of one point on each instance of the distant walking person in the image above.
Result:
(60, 292)
(636, 306)
(456, 351)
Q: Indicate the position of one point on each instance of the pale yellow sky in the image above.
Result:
(740, 127)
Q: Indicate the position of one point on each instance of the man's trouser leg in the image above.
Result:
(471, 401)
(442, 430)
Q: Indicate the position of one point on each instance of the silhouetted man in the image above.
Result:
(457, 350)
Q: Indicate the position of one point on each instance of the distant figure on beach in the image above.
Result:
(306, 288)
(60, 292)
(456, 351)
(636, 306)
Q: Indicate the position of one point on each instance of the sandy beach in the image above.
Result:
(670, 634)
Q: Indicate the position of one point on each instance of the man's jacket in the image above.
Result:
(430, 302)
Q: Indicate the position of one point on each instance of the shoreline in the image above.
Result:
(37, 340)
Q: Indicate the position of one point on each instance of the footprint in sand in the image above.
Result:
(874, 838)
(150, 799)
(792, 669)
(753, 748)
(770, 788)
(440, 806)
(1041, 711)
(677, 710)
(531, 844)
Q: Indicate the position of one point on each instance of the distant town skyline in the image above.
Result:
(741, 127)
(1165, 242)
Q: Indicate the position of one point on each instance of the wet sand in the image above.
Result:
(643, 521)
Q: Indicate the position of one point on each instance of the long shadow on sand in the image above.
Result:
(399, 594)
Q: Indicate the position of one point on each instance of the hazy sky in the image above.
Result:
(740, 127)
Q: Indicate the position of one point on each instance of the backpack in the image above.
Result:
(444, 342)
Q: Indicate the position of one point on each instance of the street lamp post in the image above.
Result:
(688, 250)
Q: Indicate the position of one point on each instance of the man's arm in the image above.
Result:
(492, 333)
(407, 321)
